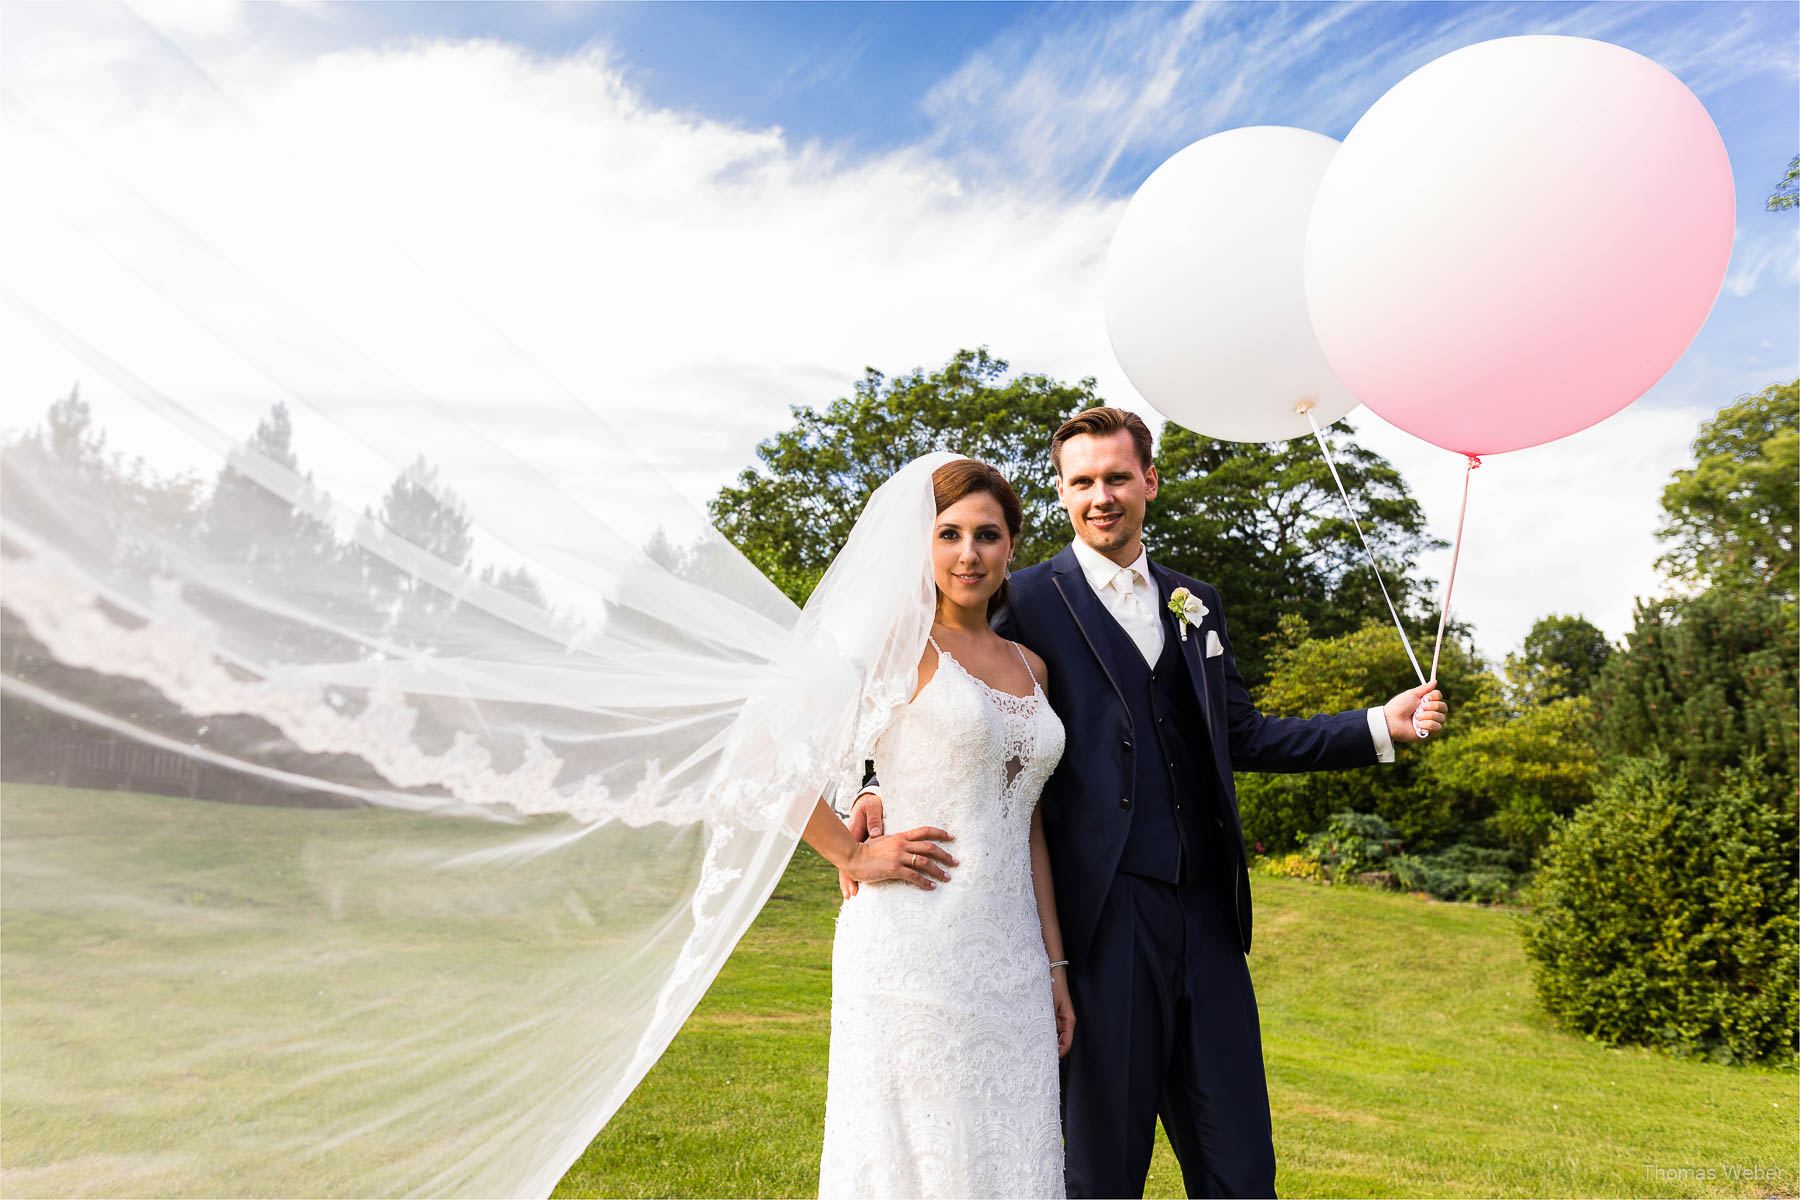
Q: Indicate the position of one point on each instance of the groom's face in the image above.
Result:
(1105, 486)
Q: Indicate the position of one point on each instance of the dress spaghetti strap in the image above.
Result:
(1027, 662)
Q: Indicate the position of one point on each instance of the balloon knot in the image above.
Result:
(1474, 462)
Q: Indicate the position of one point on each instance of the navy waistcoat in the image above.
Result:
(1172, 804)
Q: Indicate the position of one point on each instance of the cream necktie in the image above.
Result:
(1134, 616)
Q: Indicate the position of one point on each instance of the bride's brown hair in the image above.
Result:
(964, 477)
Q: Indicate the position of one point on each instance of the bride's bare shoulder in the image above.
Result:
(1039, 669)
(928, 665)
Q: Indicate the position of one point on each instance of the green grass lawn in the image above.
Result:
(191, 994)
(1405, 1055)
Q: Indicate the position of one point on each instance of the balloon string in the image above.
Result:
(1455, 553)
(1351, 509)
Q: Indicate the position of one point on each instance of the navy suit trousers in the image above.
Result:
(1166, 1026)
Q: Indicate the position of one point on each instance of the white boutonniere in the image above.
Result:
(1187, 608)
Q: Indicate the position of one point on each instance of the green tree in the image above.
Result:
(69, 435)
(1356, 670)
(76, 493)
(433, 549)
(1708, 681)
(1561, 657)
(1730, 517)
(1263, 522)
(793, 515)
(1787, 192)
(264, 539)
(1525, 772)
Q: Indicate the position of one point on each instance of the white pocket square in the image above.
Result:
(1213, 648)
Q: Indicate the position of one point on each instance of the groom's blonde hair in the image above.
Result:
(1102, 422)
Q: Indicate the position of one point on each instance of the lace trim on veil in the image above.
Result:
(67, 617)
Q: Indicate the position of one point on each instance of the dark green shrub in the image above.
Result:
(1351, 844)
(1665, 915)
(1483, 874)
(1361, 847)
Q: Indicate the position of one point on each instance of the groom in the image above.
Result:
(1142, 824)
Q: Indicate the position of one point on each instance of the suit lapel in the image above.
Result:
(1084, 606)
(1190, 648)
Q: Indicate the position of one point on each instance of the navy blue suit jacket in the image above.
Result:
(1052, 609)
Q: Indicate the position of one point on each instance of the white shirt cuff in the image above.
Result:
(850, 808)
(1384, 743)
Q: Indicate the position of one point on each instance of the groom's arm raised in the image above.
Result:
(1326, 742)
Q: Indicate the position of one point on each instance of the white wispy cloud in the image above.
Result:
(1065, 106)
(1772, 251)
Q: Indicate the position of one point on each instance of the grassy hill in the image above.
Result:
(1405, 1058)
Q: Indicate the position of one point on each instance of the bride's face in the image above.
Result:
(969, 550)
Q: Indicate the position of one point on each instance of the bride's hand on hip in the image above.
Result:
(912, 857)
(1065, 1013)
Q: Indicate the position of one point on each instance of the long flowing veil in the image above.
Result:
(392, 756)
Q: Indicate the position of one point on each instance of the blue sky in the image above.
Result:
(696, 215)
(863, 76)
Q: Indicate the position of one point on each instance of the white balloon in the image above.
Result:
(1205, 296)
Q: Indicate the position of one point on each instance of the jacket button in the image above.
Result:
(1125, 804)
(1125, 745)
(1220, 821)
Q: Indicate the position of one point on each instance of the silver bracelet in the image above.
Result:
(1060, 963)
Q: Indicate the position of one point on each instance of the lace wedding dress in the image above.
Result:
(943, 1077)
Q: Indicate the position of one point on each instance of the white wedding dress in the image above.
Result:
(943, 1076)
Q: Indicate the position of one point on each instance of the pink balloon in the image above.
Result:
(1518, 240)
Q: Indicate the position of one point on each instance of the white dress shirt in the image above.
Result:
(1129, 594)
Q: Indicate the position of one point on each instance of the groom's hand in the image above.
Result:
(865, 823)
(1415, 710)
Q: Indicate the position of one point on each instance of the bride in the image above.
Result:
(949, 1003)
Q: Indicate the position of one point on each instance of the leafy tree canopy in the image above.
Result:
(1311, 675)
(1708, 682)
(1787, 192)
(1524, 774)
(792, 517)
(1730, 517)
(1263, 523)
(1561, 658)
